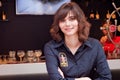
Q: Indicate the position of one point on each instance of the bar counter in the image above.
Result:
(37, 69)
(23, 68)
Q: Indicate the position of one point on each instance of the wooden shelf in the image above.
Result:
(3, 20)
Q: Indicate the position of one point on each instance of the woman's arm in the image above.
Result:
(52, 64)
(101, 65)
(82, 78)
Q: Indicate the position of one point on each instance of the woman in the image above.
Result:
(72, 55)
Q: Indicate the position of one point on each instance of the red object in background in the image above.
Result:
(112, 28)
(109, 46)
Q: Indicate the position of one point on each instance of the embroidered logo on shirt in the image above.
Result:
(63, 59)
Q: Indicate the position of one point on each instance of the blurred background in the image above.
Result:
(31, 32)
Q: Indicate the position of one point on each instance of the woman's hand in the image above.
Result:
(83, 78)
(61, 73)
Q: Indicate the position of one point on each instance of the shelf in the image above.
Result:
(4, 20)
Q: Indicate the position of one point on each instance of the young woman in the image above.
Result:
(72, 55)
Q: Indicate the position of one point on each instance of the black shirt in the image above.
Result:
(88, 61)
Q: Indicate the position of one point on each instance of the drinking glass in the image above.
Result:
(0, 59)
(12, 56)
(30, 55)
(21, 54)
(38, 53)
(4, 59)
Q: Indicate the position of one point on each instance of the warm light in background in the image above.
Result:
(0, 4)
(97, 15)
(3, 16)
(108, 14)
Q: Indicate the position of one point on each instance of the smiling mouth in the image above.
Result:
(69, 29)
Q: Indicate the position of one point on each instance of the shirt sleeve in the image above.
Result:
(52, 64)
(102, 67)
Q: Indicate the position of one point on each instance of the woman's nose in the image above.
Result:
(67, 22)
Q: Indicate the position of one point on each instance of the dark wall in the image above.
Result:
(32, 31)
(23, 31)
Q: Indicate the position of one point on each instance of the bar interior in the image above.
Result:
(24, 30)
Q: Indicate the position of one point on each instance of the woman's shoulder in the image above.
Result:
(93, 41)
(51, 43)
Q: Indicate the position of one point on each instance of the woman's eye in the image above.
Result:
(62, 20)
(72, 18)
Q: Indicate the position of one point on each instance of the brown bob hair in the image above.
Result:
(83, 24)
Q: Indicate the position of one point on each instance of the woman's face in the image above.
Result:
(69, 25)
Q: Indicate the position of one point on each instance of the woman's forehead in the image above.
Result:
(70, 13)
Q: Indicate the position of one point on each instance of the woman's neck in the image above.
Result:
(73, 43)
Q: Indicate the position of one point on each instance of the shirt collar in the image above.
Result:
(87, 43)
(59, 44)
